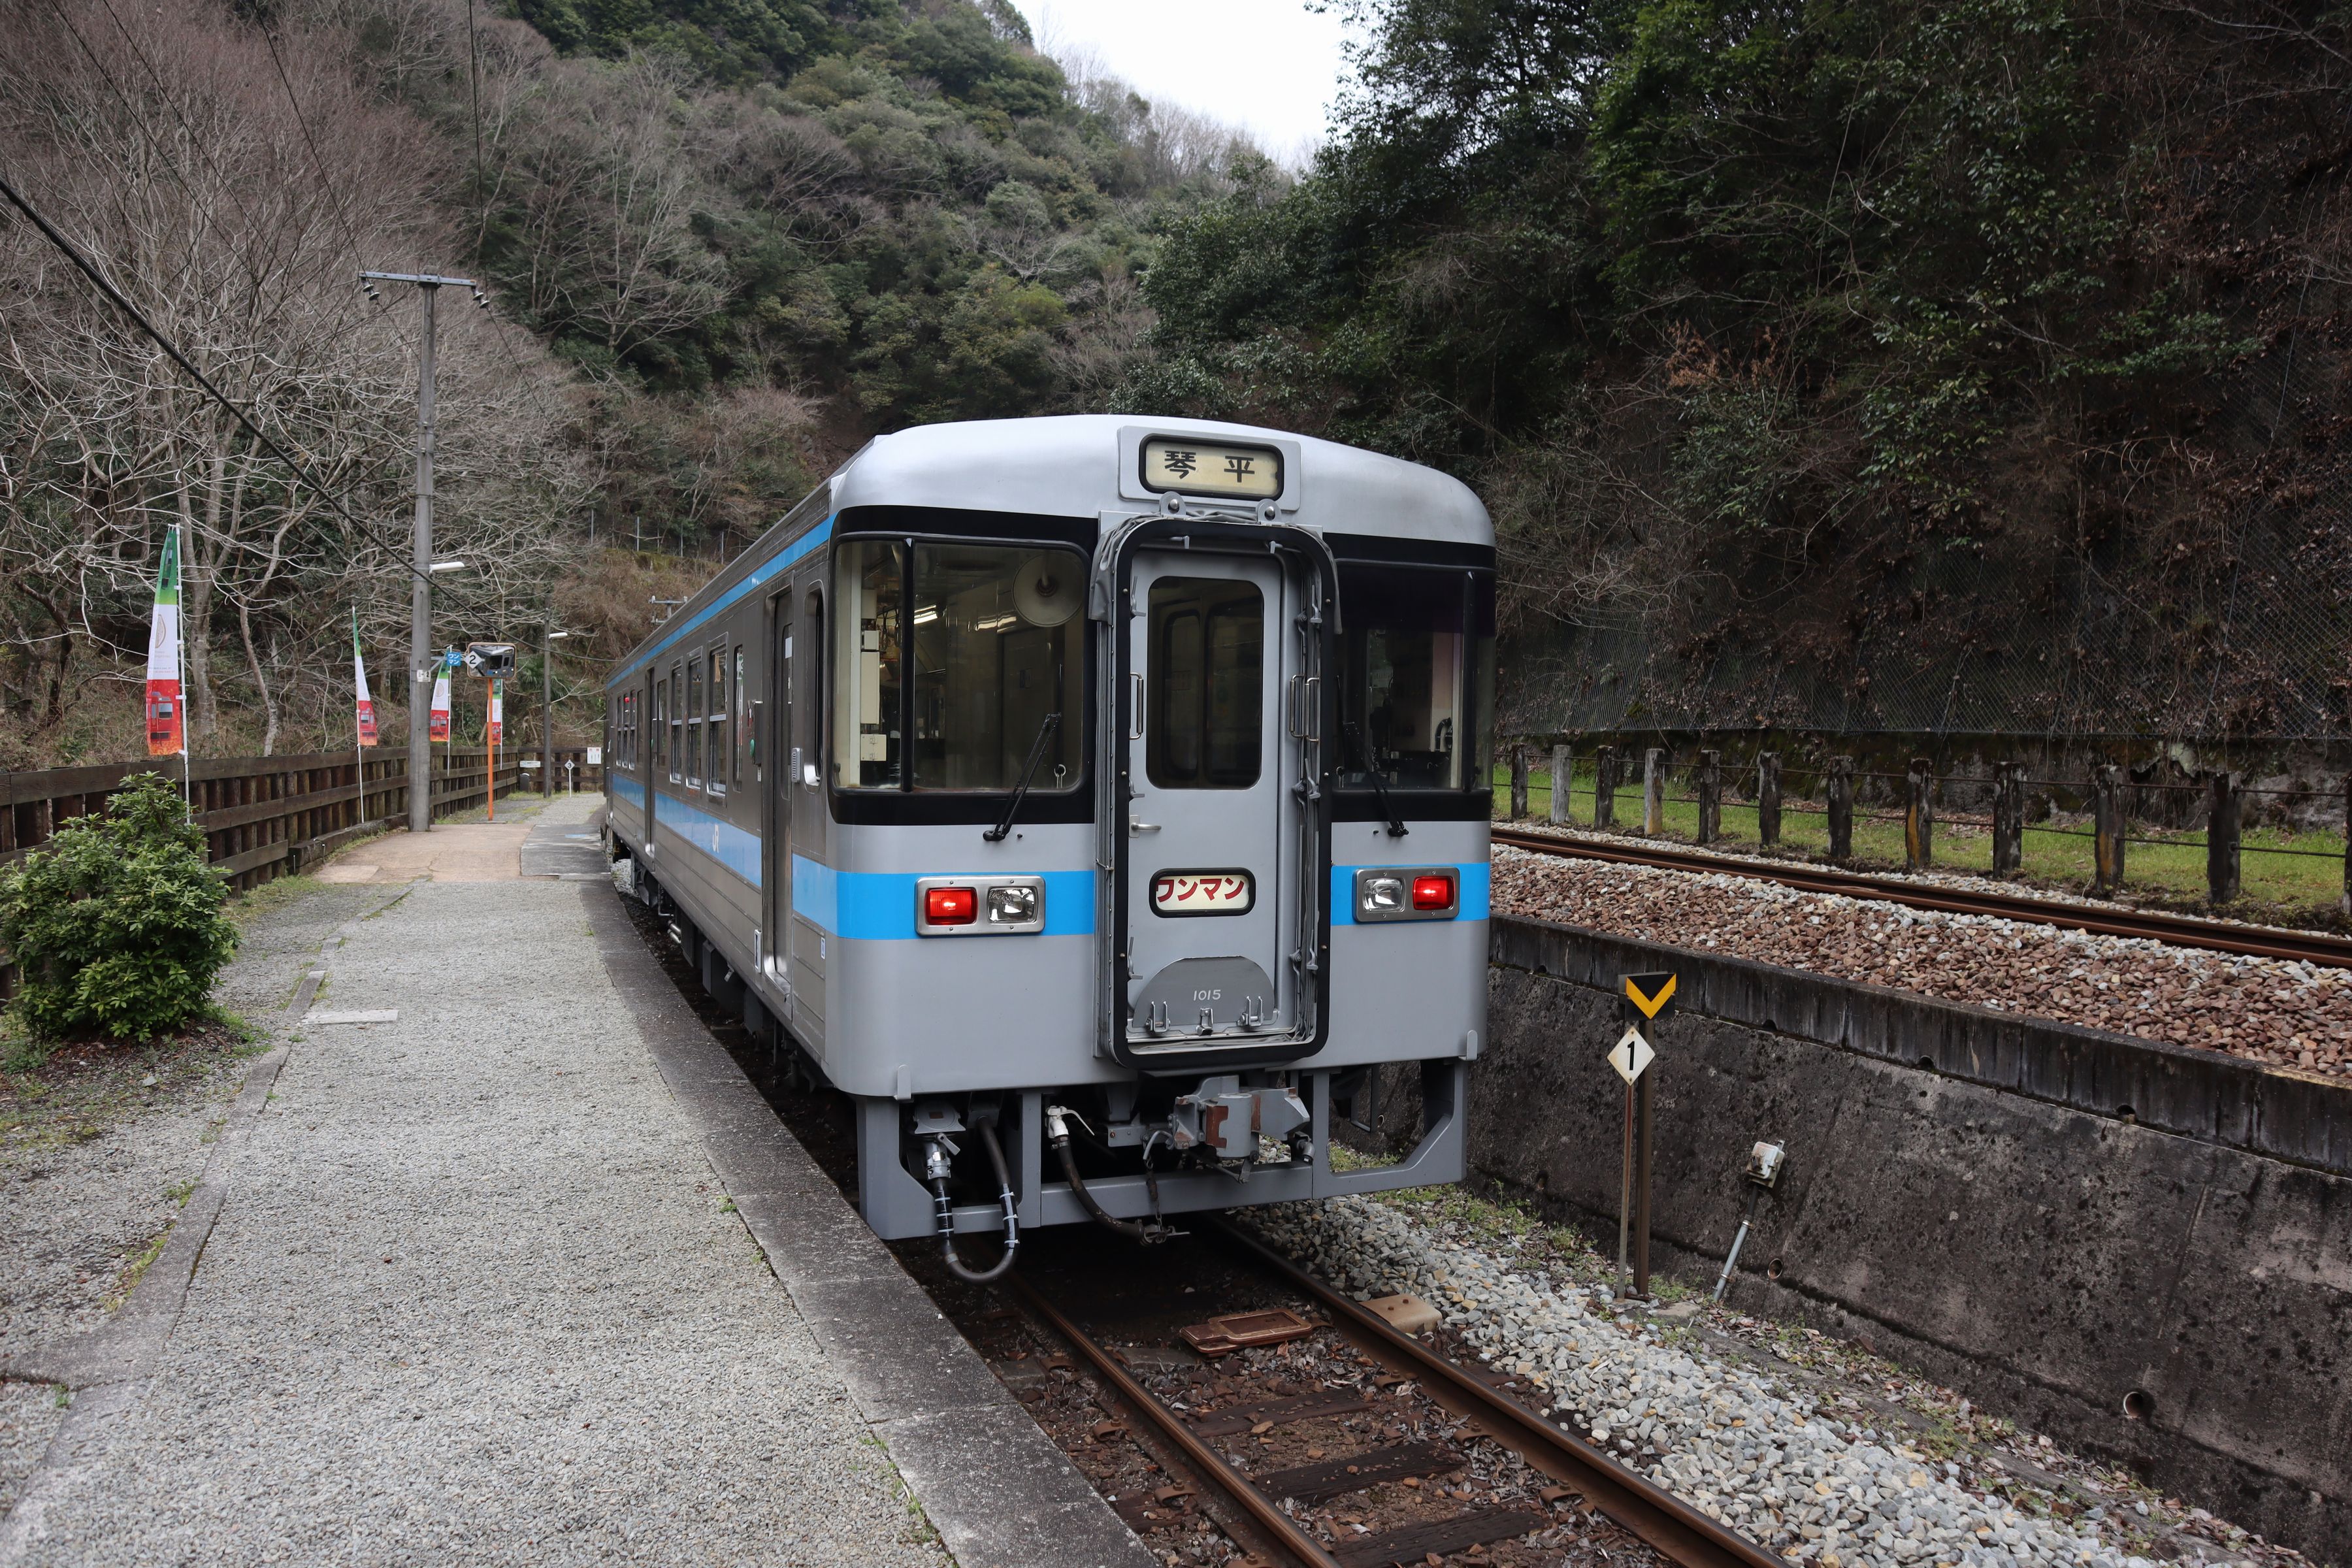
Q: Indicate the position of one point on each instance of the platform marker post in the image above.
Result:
(1650, 995)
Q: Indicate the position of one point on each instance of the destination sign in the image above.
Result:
(1200, 467)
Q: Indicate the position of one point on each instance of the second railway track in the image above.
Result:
(1408, 1456)
(2179, 931)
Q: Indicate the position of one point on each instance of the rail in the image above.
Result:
(2179, 931)
(1674, 1528)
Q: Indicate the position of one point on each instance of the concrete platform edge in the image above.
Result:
(926, 1395)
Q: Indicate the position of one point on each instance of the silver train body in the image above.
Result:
(1110, 792)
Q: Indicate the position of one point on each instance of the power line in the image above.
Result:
(115, 295)
(318, 166)
(201, 145)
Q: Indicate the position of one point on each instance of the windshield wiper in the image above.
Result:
(1397, 829)
(1028, 770)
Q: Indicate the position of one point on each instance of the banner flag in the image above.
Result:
(359, 677)
(440, 730)
(497, 711)
(166, 725)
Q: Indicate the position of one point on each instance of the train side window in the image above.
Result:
(694, 715)
(660, 718)
(1206, 705)
(742, 731)
(673, 698)
(720, 744)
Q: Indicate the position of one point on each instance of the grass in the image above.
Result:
(513, 809)
(2299, 876)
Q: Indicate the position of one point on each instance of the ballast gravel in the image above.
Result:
(476, 1296)
(2265, 1010)
(1779, 1464)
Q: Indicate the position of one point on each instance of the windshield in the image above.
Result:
(997, 641)
(1416, 658)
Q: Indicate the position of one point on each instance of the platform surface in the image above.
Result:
(531, 1274)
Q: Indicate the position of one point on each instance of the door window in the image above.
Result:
(694, 721)
(742, 733)
(1206, 703)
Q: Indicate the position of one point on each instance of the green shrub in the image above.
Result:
(116, 924)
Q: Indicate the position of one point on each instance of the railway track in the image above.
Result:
(1409, 1457)
(2181, 930)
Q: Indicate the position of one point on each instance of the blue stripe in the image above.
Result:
(627, 788)
(736, 849)
(1476, 891)
(879, 905)
(766, 569)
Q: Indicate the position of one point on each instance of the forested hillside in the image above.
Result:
(1956, 366)
(1973, 364)
(723, 243)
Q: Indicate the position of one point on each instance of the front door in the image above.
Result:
(1213, 871)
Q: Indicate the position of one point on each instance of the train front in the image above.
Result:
(1281, 705)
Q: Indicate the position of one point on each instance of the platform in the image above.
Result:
(527, 1272)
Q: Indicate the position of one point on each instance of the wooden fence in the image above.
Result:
(263, 817)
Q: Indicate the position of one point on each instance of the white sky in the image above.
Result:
(1271, 66)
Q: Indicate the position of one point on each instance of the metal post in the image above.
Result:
(1841, 793)
(1625, 1194)
(2222, 826)
(1562, 777)
(546, 709)
(2106, 829)
(1918, 816)
(420, 590)
(2008, 819)
(1518, 781)
(1710, 796)
(1642, 1143)
(1604, 796)
(1653, 792)
(1768, 798)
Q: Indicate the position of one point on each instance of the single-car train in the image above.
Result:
(1099, 803)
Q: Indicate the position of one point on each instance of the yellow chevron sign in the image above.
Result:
(1650, 993)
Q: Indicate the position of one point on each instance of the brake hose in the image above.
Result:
(1133, 1230)
(937, 1169)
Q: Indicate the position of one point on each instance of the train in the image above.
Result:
(1099, 803)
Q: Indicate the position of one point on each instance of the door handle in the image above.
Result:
(1135, 828)
(1305, 717)
(1135, 708)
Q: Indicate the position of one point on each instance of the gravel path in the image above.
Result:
(2286, 1014)
(86, 1195)
(1779, 1458)
(476, 1296)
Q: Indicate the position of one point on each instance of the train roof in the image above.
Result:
(1076, 465)
(1082, 465)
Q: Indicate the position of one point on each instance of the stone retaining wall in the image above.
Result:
(2046, 1217)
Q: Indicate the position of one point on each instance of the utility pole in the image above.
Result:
(547, 707)
(420, 589)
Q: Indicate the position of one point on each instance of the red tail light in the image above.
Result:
(950, 906)
(1432, 892)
